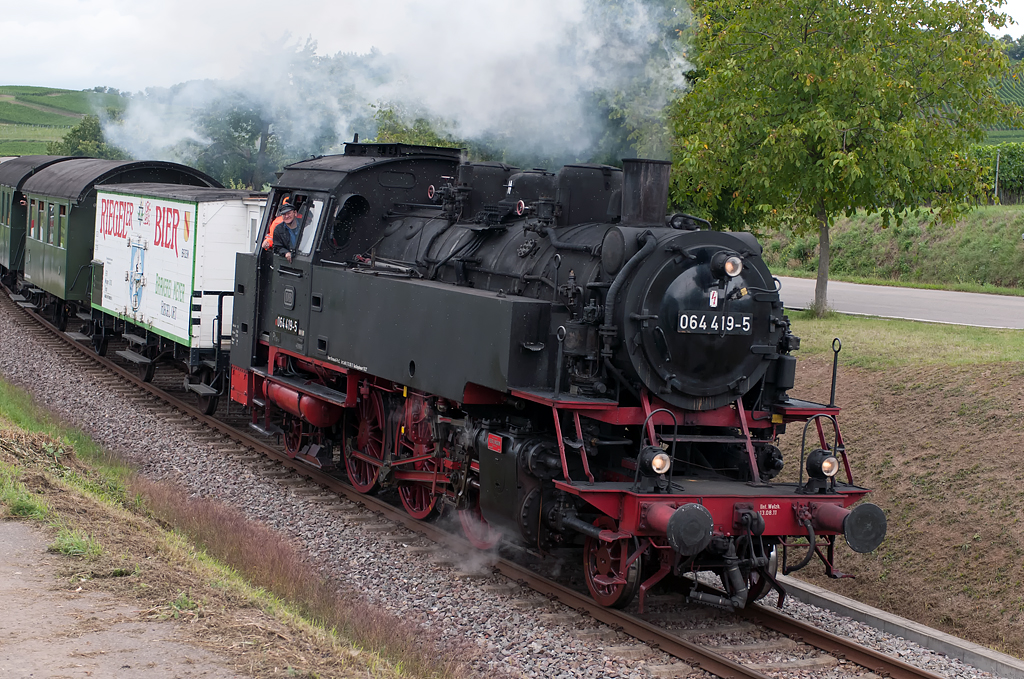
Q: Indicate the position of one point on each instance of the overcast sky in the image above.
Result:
(134, 44)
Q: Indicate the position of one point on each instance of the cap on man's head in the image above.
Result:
(285, 207)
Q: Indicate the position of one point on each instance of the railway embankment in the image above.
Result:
(931, 417)
(115, 575)
(981, 252)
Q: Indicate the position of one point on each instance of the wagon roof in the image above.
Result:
(14, 172)
(76, 177)
(195, 194)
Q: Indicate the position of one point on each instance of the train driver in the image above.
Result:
(286, 238)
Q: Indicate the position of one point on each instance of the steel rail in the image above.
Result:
(879, 663)
(656, 637)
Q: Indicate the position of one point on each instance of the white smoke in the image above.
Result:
(524, 76)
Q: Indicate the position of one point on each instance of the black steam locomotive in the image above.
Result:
(549, 354)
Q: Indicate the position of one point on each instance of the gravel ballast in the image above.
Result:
(452, 595)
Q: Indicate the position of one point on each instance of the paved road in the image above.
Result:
(938, 306)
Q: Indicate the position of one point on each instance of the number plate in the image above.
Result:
(702, 322)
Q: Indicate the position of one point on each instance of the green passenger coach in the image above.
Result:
(60, 213)
(14, 212)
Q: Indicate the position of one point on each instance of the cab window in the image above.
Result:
(309, 209)
(309, 224)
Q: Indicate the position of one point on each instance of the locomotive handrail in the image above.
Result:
(803, 439)
(592, 250)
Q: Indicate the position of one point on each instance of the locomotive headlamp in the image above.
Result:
(726, 264)
(733, 266)
(655, 461)
(821, 464)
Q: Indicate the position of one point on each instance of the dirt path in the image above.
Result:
(53, 629)
(39, 107)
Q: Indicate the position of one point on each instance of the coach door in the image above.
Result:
(288, 304)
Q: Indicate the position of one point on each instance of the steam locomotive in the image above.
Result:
(551, 355)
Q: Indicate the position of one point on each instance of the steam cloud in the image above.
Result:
(539, 80)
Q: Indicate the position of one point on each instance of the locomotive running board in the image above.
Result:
(311, 388)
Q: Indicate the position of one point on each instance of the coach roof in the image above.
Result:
(14, 172)
(76, 177)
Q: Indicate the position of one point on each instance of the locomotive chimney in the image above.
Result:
(644, 191)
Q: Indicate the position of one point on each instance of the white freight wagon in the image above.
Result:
(164, 261)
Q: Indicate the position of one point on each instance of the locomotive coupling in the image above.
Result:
(688, 528)
(864, 526)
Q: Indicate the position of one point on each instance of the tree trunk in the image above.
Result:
(821, 287)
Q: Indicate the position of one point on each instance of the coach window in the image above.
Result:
(51, 223)
(32, 218)
(41, 221)
(62, 238)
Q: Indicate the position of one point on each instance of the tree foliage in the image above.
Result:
(803, 110)
(1013, 49)
(241, 149)
(394, 126)
(86, 140)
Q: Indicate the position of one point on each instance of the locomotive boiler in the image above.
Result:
(550, 354)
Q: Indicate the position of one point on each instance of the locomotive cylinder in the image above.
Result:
(318, 413)
(864, 526)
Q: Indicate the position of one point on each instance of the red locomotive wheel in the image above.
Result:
(610, 583)
(416, 497)
(292, 435)
(416, 438)
(368, 441)
(476, 529)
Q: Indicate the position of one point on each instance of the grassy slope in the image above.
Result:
(25, 130)
(247, 592)
(932, 419)
(982, 251)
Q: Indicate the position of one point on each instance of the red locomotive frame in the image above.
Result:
(631, 523)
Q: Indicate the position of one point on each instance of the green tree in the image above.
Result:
(807, 109)
(1014, 49)
(393, 127)
(242, 149)
(86, 140)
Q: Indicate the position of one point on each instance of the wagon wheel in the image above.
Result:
(365, 438)
(99, 342)
(292, 438)
(416, 438)
(206, 404)
(60, 315)
(610, 582)
(145, 371)
(475, 526)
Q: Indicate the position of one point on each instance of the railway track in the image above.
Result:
(720, 653)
